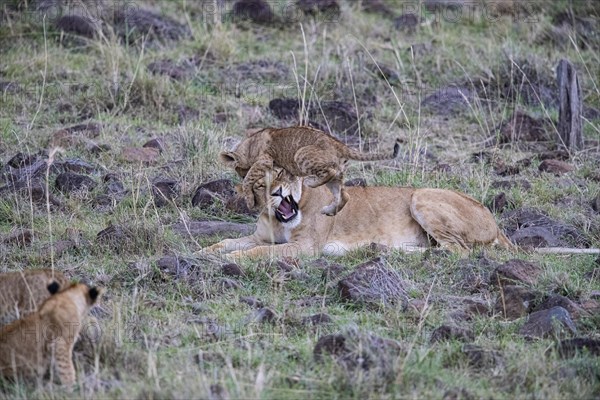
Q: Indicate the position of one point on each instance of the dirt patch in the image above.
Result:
(169, 68)
(77, 25)
(515, 301)
(69, 182)
(570, 348)
(556, 167)
(522, 127)
(257, 11)
(516, 271)
(452, 332)
(164, 191)
(329, 8)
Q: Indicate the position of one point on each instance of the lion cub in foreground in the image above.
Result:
(302, 151)
(22, 292)
(29, 346)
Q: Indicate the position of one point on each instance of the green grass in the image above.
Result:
(155, 324)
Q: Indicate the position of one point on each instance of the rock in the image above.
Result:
(357, 352)
(555, 321)
(449, 100)
(356, 182)
(569, 348)
(221, 190)
(9, 87)
(133, 23)
(140, 155)
(263, 315)
(164, 191)
(515, 271)
(530, 227)
(75, 135)
(556, 167)
(386, 74)
(228, 284)
(286, 109)
(77, 25)
(509, 184)
(522, 127)
(21, 160)
(251, 301)
(457, 394)
(556, 300)
(78, 166)
(19, 237)
(238, 205)
(113, 185)
(168, 68)
(156, 143)
(179, 267)
(596, 204)
(439, 5)
(498, 203)
(376, 7)
(481, 358)
(562, 155)
(515, 301)
(316, 319)
(113, 235)
(210, 228)
(257, 11)
(451, 332)
(407, 22)
(232, 269)
(218, 392)
(329, 8)
(68, 182)
(373, 283)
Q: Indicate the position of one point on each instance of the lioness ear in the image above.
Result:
(228, 158)
(94, 294)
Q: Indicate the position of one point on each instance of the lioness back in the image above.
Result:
(30, 345)
(22, 292)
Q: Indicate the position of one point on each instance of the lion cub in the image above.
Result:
(22, 292)
(29, 346)
(302, 151)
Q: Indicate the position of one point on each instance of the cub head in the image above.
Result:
(91, 295)
(245, 153)
(278, 195)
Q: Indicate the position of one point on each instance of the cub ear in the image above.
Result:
(94, 293)
(238, 189)
(229, 159)
(53, 287)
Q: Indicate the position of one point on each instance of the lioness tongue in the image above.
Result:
(285, 208)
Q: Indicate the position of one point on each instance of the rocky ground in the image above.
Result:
(111, 119)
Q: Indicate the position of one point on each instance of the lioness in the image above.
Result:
(410, 219)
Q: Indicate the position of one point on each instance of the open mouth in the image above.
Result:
(287, 210)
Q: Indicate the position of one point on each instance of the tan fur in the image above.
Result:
(31, 345)
(302, 151)
(22, 292)
(397, 217)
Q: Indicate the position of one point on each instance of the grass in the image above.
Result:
(156, 325)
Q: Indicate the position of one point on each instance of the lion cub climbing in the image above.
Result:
(302, 151)
(22, 292)
(29, 346)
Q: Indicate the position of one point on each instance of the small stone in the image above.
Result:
(555, 321)
(557, 300)
(257, 11)
(68, 182)
(452, 332)
(77, 25)
(556, 167)
(498, 203)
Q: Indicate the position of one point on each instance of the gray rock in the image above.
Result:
(211, 228)
(553, 322)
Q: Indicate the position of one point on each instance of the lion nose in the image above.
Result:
(277, 193)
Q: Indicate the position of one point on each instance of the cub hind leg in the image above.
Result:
(323, 168)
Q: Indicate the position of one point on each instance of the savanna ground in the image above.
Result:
(471, 92)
